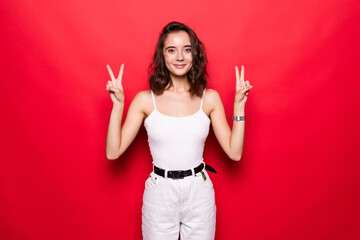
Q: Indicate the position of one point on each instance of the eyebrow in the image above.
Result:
(175, 47)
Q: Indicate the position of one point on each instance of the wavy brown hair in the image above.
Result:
(159, 76)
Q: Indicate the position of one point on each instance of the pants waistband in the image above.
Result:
(180, 174)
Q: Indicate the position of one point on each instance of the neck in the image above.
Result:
(180, 84)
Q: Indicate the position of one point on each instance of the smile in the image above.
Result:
(179, 66)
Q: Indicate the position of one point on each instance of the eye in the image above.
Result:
(171, 50)
(188, 50)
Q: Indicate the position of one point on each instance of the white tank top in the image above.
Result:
(177, 143)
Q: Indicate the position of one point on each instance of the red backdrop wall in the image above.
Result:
(299, 174)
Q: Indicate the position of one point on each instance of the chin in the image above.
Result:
(182, 73)
(179, 75)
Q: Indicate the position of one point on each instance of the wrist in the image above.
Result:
(238, 118)
(118, 105)
(239, 110)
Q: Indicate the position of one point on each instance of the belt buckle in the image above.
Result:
(178, 174)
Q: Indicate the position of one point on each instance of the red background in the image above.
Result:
(299, 174)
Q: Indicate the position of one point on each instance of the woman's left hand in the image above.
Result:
(242, 87)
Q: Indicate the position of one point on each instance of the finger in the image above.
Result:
(238, 85)
(242, 74)
(113, 89)
(121, 73)
(110, 72)
(246, 89)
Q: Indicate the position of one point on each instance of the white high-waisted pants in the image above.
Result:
(173, 206)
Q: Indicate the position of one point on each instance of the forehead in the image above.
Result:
(180, 38)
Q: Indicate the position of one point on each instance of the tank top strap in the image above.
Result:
(153, 98)
(202, 99)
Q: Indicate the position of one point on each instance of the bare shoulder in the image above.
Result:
(211, 97)
(211, 101)
(211, 93)
(143, 96)
(143, 101)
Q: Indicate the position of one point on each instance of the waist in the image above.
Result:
(176, 162)
(178, 174)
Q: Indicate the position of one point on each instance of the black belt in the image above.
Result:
(179, 174)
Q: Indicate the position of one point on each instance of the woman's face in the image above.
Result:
(177, 53)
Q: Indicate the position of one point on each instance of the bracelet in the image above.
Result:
(239, 118)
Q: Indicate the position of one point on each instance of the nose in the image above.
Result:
(180, 56)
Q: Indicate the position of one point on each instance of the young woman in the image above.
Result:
(177, 111)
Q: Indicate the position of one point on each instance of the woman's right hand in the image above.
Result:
(115, 87)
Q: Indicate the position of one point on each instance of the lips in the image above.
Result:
(179, 66)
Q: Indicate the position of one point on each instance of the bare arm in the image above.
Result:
(114, 132)
(231, 140)
(119, 137)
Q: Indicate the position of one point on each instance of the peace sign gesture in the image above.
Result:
(242, 87)
(115, 86)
